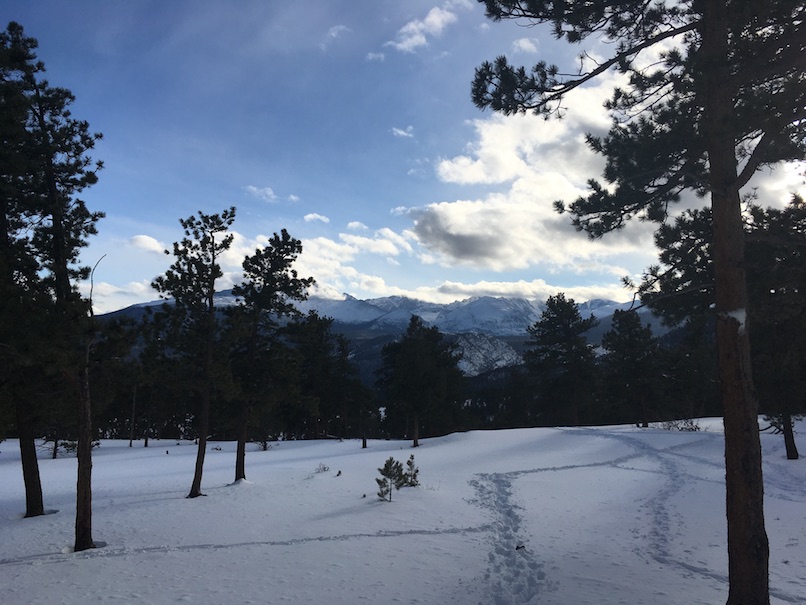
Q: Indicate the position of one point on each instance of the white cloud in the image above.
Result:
(263, 193)
(525, 45)
(534, 162)
(380, 57)
(415, 33)
(357, 226)
(372, 245)
(148, 243)
(407, 133)
(293, 198)
(315, 217)
(332, 34)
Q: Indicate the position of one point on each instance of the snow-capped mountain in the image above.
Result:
(484, 328)
(487, 315)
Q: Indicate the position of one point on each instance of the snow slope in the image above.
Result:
(552, 516)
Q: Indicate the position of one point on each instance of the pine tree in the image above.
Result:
(715, 92)
(392, 477)
(46, 164)
(266, 295)
(630, 365)
(561, 360)
(190, 282)
(682, 285)
(420, 379)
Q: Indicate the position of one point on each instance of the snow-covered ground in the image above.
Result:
(551, 516)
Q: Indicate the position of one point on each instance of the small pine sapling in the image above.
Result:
(410, 476)
(392, 476)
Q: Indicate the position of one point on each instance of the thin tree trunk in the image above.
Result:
(34, 505)
(415, 431)
(206, 396)
(203, 428)
(84, 455)
(131, 422)
(789, 437)
(748, 547)
(240, 454)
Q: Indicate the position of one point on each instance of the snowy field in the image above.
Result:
(551, 516)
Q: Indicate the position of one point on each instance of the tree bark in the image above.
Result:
(34, 504)
(748, 547)
(84, 455)
(203, 428)
(789, 437)
(240, 454)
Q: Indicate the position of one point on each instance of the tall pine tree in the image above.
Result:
(561, 361)
(46, 166)
(715, 92)
(190, 282)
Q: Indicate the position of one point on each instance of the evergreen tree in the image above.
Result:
(421, 380)
(190, 282)
(267, 293)
(715, 92)
(561, 361)
(329, 377)
(630, 365)
(45, 226)
(683, 285)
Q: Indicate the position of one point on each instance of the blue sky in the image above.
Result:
(346, 122)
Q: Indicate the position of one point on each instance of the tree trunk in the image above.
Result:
(84, 455)
(203, 428)
(131, 422)
(748, 547)
(240, 454)
(415, 431)
(789, 437)
(34, 505)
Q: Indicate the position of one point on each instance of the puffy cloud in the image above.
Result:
(293, 198)
(372, 245)
(263, 193)
(380, 57)
(148, 243)
(534, 162)
(525, 45)
(415, 33)
(357, 226)
(313, 216)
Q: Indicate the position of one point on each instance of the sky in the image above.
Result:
(346, 122)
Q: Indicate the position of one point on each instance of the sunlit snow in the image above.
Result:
(550, 516)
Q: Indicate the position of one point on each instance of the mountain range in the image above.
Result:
(489, 332)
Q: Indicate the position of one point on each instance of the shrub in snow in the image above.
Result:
(391, 477)
(410, 475)
(322, 468)
(684, 424)
(394, 476)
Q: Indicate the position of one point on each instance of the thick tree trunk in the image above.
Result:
(748, 547)
(789, 437)
(84, 455)
(34, 505)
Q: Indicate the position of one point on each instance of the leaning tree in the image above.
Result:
(715, 91)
